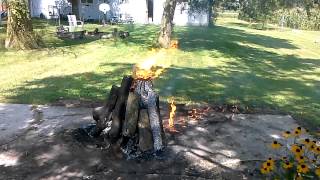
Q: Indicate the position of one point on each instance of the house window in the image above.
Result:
(124, 1)
(87, 1)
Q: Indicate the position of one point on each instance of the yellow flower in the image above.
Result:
(287, 165)
(276, 145)
(297, 150)
(302, 168)
(317, 150)
(318, 171)
(300, 158)
(264, 170)
(297, 131)
(312, 147)
(271, 161)
(268, 165)
(306, 141)
(286, 134)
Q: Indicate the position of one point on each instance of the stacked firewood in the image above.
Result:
(132, 114)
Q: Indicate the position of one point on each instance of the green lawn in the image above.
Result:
(230, 63)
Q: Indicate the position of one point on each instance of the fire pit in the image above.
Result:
(131, 115)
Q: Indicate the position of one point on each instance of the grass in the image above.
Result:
(230, 63)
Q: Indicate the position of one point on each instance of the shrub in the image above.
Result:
(297, 18)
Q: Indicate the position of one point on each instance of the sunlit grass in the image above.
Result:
(230, 63)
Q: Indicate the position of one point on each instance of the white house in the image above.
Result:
(142, 11)
(49, 8)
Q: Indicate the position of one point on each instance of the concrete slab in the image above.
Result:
(16, 119)
(39, 145)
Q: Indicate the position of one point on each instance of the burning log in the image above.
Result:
(160, 120)
(103, 114)
(149, 100)
(145, 133)
(132, 115)
(118, 113)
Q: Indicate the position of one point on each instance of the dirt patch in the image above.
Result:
(214, 145)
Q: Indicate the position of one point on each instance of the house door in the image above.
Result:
(75, 7)
(150, 10)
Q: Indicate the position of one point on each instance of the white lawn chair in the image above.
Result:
(74, 23)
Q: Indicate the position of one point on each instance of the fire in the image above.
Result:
(197, 114)
(149, 69)
(172, 114)
(174, 44)
(151, 73)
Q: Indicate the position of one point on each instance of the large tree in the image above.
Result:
(197, 7)
(20, 33)
(167, 23)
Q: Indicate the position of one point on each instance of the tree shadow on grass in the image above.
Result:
(223, 38)
(235, 85)
(82, 86)
(244, 87)
(252, 76)
(257, 26)
(203, 38)
(143, 35)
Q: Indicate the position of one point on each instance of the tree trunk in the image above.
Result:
(167, 23)
(210, 13)
(20, 33)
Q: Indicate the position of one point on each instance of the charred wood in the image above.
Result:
(118, 113)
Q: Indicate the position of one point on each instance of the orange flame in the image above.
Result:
(172, 114)
(174, 44)
(152, 73)
(149, 69)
